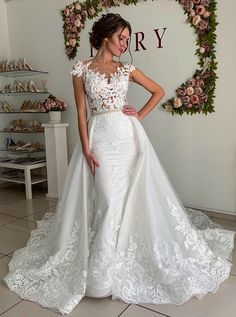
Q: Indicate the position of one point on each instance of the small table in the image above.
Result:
(28, 179)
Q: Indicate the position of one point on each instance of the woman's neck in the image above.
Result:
(103, 57)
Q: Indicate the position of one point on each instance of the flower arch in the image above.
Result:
(196, 95)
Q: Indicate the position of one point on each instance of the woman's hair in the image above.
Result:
(105, 27)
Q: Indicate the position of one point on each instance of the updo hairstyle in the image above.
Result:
(105, 27)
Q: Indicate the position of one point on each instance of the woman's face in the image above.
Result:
(118, 42)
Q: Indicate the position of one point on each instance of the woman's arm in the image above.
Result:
(81, 112)
(82, 122)
(156, 90)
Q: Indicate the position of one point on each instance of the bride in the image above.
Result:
(120, 229)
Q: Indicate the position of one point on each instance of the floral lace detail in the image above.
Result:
(163, 272)
(104, 93)
(46, 278)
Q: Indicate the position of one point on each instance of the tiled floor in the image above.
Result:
(18, 217)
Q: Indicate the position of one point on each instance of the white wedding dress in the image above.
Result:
(125, 232)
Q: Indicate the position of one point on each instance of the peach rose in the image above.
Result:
(206, 14)
(77, 23)
(190, 91)
(177, 102)
(196, 19)
(73, 42)
(78, 6)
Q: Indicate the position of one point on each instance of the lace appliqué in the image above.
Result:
(104, 93)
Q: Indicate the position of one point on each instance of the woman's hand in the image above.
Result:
(130, 111)
(92, 161)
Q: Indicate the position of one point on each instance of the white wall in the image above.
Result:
(4, 37)
(197, 152)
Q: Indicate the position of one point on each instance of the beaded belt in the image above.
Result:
(105, 111)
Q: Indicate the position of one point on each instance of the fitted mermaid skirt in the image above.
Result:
(123, 232)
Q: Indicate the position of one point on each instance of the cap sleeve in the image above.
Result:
(131, 68)
(77, 69)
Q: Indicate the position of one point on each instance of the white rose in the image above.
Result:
(202, 50)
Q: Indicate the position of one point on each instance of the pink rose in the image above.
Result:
(207, 74)
(189, 106)
(202, 98)
(205, 2)
(191, 82)
(200, 10)
(67, 12)
(198, 91)
(200, 83)
(202, 25)
(196, 1)
(192, 13)
(188, 5)
(181, 92)
(194, 99)
(91, 11)
(84, 13)
(185, 100)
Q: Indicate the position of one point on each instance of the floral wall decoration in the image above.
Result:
(196, 95)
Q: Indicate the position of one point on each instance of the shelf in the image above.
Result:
(21, 151)
(21, 73)
(22, 166)
(10, 112)
(23, 93)
(35, 179)
(10, 131)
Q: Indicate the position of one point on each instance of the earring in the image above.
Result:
(106, 39)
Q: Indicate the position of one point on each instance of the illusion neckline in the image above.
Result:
(103, 75)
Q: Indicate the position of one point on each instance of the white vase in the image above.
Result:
(54, 116)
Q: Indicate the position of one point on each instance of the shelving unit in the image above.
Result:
(29, 178)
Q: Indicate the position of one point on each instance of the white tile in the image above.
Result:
(37, 215)
(5, 210)
(138, 311)
(15, 235)
(88, 307)
(8, 197)
(8, 298)
(28, 206)
(222, 303)
(4, 219)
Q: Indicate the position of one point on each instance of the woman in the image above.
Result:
(119, 228)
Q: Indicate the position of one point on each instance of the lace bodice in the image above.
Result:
(103, 93)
